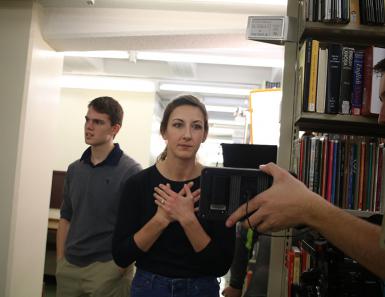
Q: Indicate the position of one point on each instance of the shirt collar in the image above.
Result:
(112, 158)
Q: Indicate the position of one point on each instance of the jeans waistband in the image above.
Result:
(152, 277)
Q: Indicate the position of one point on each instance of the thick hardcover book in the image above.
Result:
(346, 80)
(317, 166)
(333, 79)
(336, 173)
(367, 84)
(356, 173)
(313, 75)
(321, 80)
(357, 86)
(312, 162)
(352, 175)
(304, 63)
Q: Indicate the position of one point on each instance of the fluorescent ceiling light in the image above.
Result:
(98, 54)
(107, 83)
(204, 89)
(218, 108)
(209, 59)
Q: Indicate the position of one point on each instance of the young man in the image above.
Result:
(289, 202)
(92, 192)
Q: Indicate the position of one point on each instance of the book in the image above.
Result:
(321, 80)
(346, 80)
(313, 76)
(362, 174)
(304, 62)
(357, 87)
(367, 83)
(290, 271)
(354, 12)
(333, 78)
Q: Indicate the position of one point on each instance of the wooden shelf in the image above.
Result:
(344, 33)
(339, 123)
(362, 213)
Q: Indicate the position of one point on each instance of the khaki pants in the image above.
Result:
(95, 280)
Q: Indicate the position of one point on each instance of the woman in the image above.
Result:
(176, 252)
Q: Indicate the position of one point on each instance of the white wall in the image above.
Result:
(14, 43)
(30, 89)
(134, 137)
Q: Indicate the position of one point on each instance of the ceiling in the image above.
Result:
(211, 29)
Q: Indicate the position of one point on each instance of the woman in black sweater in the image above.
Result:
(177, 253)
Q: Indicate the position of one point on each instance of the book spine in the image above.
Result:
(313, 76)
(357, 82)
(333, 79)
(346, 80)
(369, 181)
(321, 79)
(351, 178)
(362, 174)
(325, 158)
(367, 81)
(306, 78)
(354, 12)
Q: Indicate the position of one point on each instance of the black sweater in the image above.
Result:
(172, 254)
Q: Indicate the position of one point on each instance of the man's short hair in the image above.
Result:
(380, 66)
(109, 106)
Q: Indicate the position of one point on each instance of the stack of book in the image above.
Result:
(365, 12)
(348, 171)
(333, 78)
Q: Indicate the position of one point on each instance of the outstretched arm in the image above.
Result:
(288, 202)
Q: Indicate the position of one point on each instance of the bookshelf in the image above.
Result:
(339, 123)
(356, 34)
(293, 119)
(350, 35)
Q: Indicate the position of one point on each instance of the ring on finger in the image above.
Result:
(162, 201)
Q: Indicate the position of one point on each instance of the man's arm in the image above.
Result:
(289, 203)
(61, 236)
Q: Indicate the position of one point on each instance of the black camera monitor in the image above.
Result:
(224, 189)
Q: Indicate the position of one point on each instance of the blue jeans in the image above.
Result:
(147, 284)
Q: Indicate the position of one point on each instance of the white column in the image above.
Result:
(29, 76)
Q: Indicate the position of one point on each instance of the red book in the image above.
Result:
(290, 270)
